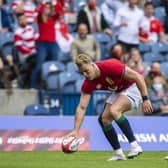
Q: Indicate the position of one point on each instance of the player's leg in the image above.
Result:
(120, 105)
(105, 121)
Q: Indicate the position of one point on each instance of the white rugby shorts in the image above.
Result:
(132, 93)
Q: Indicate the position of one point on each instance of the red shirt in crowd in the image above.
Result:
(150, 28)
(47, 29)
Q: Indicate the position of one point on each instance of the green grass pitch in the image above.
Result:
(54, 159)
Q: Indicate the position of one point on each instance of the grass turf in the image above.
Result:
(50, 159)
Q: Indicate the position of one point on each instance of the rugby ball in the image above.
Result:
(71, 144)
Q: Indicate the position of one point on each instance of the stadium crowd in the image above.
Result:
(34, 32)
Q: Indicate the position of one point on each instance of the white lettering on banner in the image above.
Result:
(32, 140)
(146, 137)
(122, 138)
(163, 138)
(1, 140)
(55, 103)
(141, 137)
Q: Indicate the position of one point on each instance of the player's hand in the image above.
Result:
(74, 133)
(147, 107)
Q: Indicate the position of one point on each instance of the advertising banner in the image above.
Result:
(45, 133)
(29, 140)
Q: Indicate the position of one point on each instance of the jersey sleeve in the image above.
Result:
(87, 87)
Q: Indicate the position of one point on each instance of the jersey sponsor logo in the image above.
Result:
(109, 80)
(113, 89)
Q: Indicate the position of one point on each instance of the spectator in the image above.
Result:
(8, 73)
(47, 46)
(37, 3)
(93, 18)
(135, 58)
(150, 26)
(158, 94)
(117, 51)
(115, 5)
(109, 9)
(25, 37)
(154, 71)
(65, 38)
(127, 21)
(27, 7)
(5, 24)
(85, 43)
(141, 3)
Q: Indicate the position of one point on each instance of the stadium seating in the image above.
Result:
(99, 106)
(6, 38)
(144, 48)
(150, 57)
(103, 40)
(60, 67)
(160, 13)
(64, 57)
(67, 81)
(156, 3)
(78, 4)
(9, 2)
(161, 48)
(71, 67)
(51, 100)
(7, 48)
(78, 85)
(49, 73)
(70, 102)
(52, 82)
(99, 98)
(35, 109)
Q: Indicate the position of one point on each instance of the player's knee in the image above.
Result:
(115, 113)
(103, 121)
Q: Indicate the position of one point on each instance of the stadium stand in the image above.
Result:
(35, 109)
(51, 66)
(78, 85)
(51, 100)
(144, 48)
(64, 57)
(159, 48)
(62, 82)
(150, 57)
(71, 67)
(160, 13)
(67, 81)
(99, 99)
(49, 73)
(6, 37)
(104, 40)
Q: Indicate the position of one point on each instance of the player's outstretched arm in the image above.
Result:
(80, 113)
(132, 75)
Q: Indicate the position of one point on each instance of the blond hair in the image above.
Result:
(83, 59)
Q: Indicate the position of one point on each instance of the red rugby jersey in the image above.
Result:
(111, 78)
